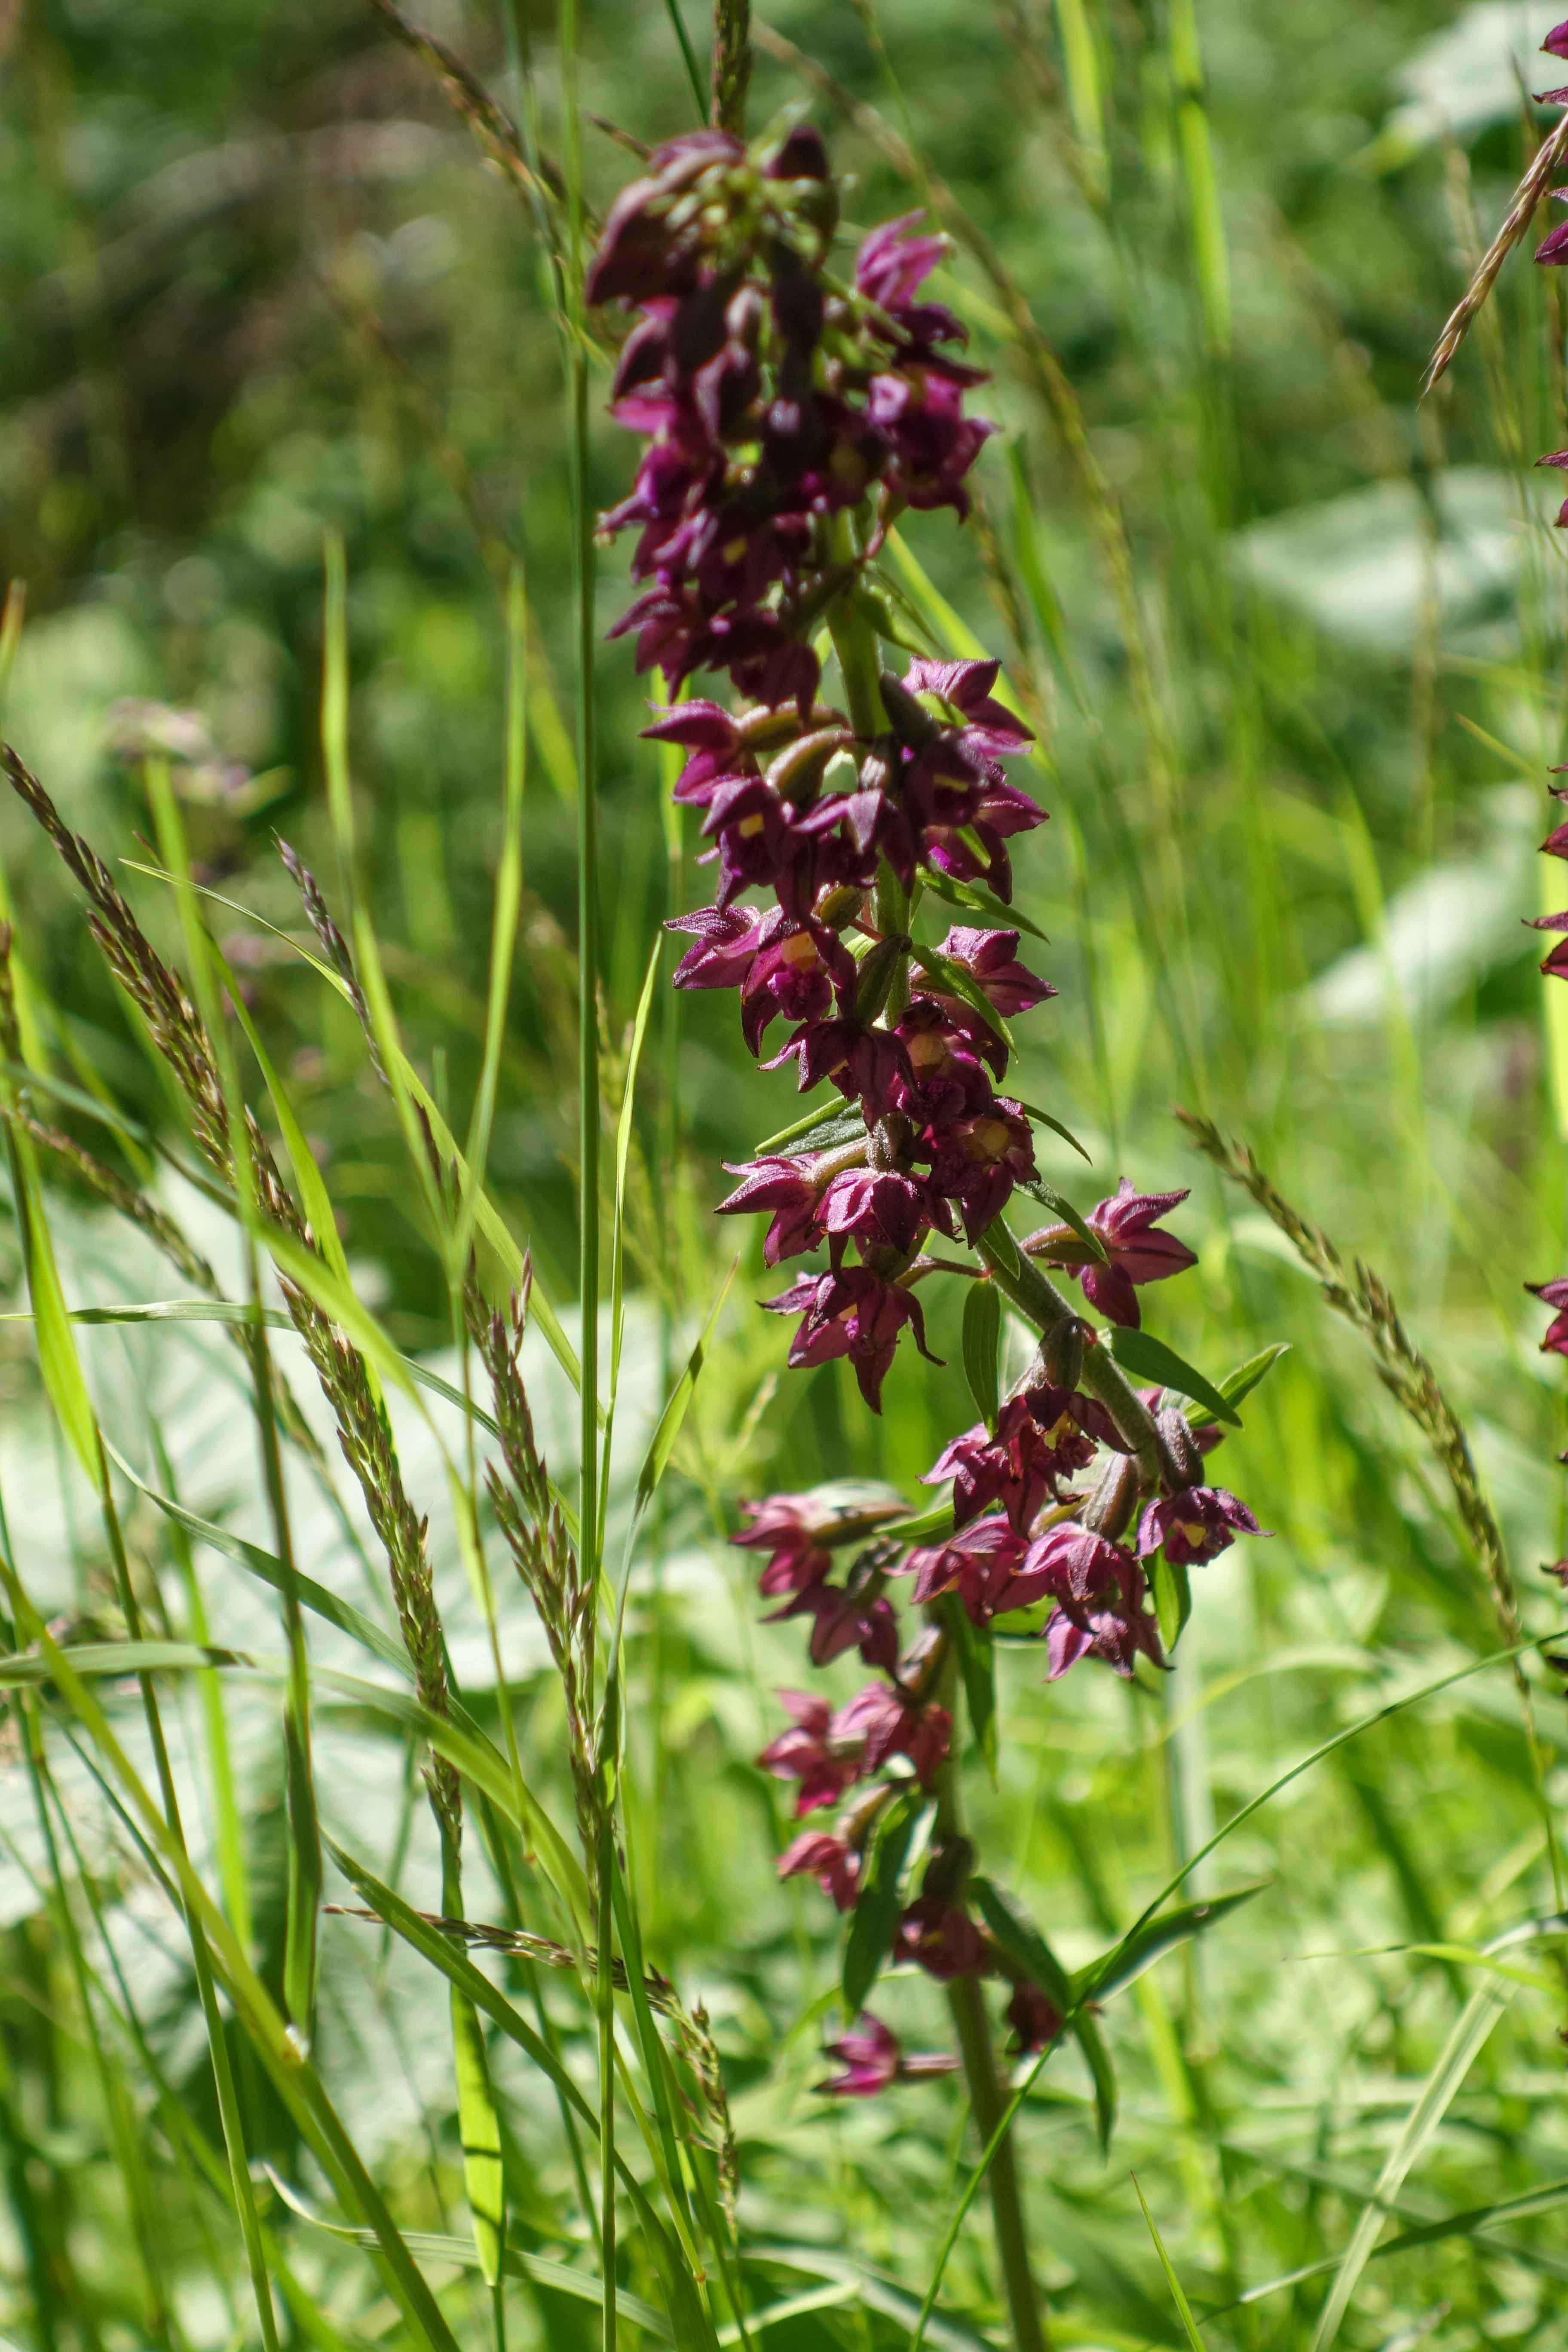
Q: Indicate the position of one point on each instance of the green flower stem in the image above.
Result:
(987, 2097)
(1037, 1298)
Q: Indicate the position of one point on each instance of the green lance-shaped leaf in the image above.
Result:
(977, 1672)
(990, 912)
(954, 979)
(1184, 2308)
(875, 1918)
(1045, 1119)
(1172, 1591)
(1028, 1950)
(1149, 1358)
(1244, 1378)
(823, 1130)
(661, 1445)
(1140, 1947)
(982, 1349)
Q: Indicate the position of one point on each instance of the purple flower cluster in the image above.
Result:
(789, 417)
(775, 398)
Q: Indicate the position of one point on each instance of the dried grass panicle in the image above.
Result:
(1364, 1299)
(695, 2036)
(333, 945)
(534, 1528)
(178, 1031)
(731, 73)
(1526, 200)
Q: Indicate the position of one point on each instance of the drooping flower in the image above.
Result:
(1034, 2018)
(882, 1721)
(850, 1312)
(1099, 1591)
(835, 1866)
(1040, 1439)
(843, 1620)
(991, 959)
(804, 1753)
(1128, 1226)
(941, 1937)
(786, 1187)
(1555, 1296)
(1194, 1525)
(872, 2059)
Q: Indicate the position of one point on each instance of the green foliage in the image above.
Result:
(1292, 653)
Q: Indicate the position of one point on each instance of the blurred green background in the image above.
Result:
(257, 282)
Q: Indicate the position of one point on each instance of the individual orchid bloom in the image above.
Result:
(1039, 1441)
(947, 1078)
(990, 729)
(872, 2059)
(991, 959)
(1555, 966)
(850, 1312)
(727, 943)
(1194, 1525)
(979, 1563)
(881, 1721)
(891, 266)
(977, 1160)
(639, 256)
(804, 1753)
(880, 1207)
(835, 1866)
(799, 1532)
(868, 1067)
(1034, 2018)
(1555, 1296)
(716, 751)
(1556, 41)
(786, 1186)
(843, 1620)
(1099, 1590)
(1128, 1224)
(798, 968)
(941, 1937)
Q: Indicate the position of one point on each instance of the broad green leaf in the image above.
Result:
(1096, 2057)
(1023, 1943)
(1172, 1591)
(875, 1918)
(982, 1349)
(1149, 1358)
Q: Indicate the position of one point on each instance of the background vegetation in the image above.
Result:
(1294, 650)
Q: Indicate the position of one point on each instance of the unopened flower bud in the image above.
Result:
(1062, 1354)
(1179, 1456)
(946, 1872)
(855, 1823)
(1113, 1501)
